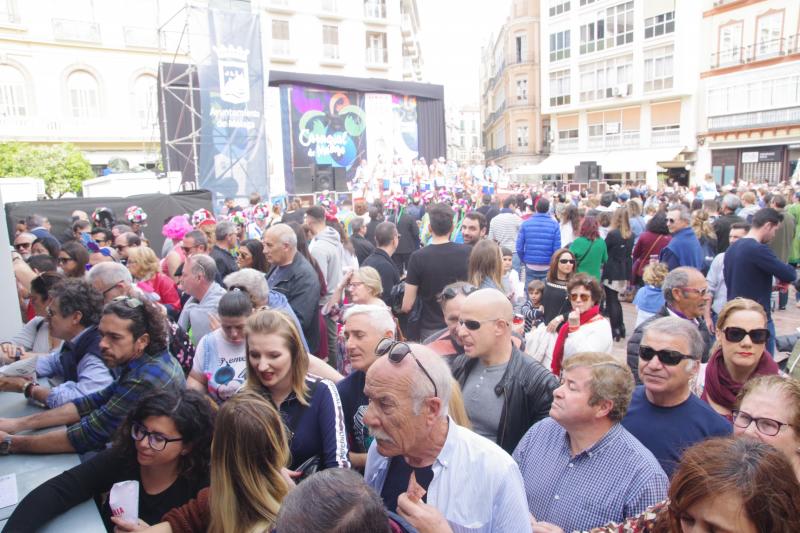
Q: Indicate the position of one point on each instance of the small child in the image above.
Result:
(533, 310)
(650, 298)
(511, 284)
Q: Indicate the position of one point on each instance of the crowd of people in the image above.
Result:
(454, 359)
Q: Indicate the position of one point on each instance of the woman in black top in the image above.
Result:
(555, 298)
(164, 444)
(617, 270)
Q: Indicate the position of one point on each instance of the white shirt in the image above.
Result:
(591, 337)
(476, 485)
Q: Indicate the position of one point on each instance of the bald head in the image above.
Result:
(489, 303)
(485, 326)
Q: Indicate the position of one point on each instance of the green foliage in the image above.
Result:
(62, 166)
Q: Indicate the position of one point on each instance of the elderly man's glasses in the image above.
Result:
(766, 426)
(23, 246)
(397, 351)
(667, 357)
(156, 441)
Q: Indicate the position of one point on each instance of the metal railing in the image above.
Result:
(496, 152)
(754, 119)
(494, 115)
(281, 47)
(665, 137)
(330, 51)
(741, 55)
(566, 145)
(375, 10)
(614, 140)
(377, 56)
(76, 30)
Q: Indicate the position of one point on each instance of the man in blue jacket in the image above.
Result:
(684, 249)
(538, 239)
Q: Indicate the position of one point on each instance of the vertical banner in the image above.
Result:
(327, 128)
(233, 157)
(406, 142)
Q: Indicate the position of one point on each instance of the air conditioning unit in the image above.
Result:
(621, 90)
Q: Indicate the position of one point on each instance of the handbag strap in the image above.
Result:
(647, 253)
(589, 249)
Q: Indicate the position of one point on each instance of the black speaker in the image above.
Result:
(323, 178)
(588, 171)
(340, 179)
(303, 180)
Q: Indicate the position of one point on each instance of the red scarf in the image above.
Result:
(720, 386)
(558, 351)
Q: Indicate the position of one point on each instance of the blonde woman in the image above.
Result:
(485, 267)
(705, 233)
(277, 365)
(248, 484)
(145, 269)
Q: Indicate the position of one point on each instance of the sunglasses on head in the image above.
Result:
(132, 303)
(667, 357)
(397, 351)
(757, 336)
(580, 296)
(566, 261)
(449, 293)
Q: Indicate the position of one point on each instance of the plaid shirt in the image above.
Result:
(614, 479)
(102, 411)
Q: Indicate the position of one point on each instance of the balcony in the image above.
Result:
(497, 113)
(138, 37)
(496, 153)
(665, 137)
(755, 119)
(614, 141)
(330, 51)
(756, 52)
(82, 31)
(375, 10)
(377, 56)
(281, 47)
(406, 25)
(567, 145)
(523, 59)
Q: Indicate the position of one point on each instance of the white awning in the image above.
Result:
(612, 162)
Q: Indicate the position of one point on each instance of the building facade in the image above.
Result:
(85, 72)
(620, 83)
(464, 134)
(750, 117)
(513, 132)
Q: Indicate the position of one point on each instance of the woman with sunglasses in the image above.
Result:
(72, 259)
(740, 355)
(164, 445)
(586, 329)
(277, 364)
(251, 255)
(555, 299)
(220, 363)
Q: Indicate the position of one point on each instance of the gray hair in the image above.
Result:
(109, 274)
(380, 318)
(202, 264)
(27, 234)
(122, 228)
(285, 234)
(198, 236)
(676, 279)
(674, 327)
(224, 228)
(731, 201)
(252, 281)
(684, 212)
(34, 221)
(421, 387)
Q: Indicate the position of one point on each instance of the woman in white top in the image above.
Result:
(34, 337)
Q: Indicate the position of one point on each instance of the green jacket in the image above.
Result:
(591, 255)
(794, 210)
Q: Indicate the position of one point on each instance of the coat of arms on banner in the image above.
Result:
(234, 78)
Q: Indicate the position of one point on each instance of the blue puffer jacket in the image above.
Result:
(539, 237)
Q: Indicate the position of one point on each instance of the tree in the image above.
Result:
(62, 166)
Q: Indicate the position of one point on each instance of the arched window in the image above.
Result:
(144, 94)
(13, 102)
(84, 101)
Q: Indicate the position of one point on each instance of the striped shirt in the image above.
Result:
(476, 485)
(504, 228)
(614, 479)
(102, 411)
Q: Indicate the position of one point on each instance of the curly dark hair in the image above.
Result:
(193, 417)
(78, 295)
(44, 283)
(145, 317)
(658, 224)
(590, 283)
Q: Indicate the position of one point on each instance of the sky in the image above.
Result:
(453, 32)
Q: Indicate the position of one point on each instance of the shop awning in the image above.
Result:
(612, 162)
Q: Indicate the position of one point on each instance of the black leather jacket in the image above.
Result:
(527, 391)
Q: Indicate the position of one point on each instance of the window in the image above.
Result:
(13, 102)
(8, 12)
(521, 47)
(375, 9)
(83, 95)
(659, 25)
(774, 93)
(558, 6)
(280, 37)
(559, 45)
(376, 48)
(730, 44)
(559, 88)
(144, 91)
(619, 24)
(605, 79)
(658, 68)
(593, 35)
(770, 28)
(522, 136)
(522, 90)
(330, 42)
(587, 2)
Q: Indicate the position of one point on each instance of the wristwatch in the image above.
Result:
(29, 388)
(5, 445)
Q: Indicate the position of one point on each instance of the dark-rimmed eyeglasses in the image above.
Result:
(156, 441)
(132, 303)
(766, 426)
(451, 292)
(667, 357)
(757, 336)
(111, 288)
(397, 351)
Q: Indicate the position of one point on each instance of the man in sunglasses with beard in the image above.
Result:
(426, 467)
(663, 414)
(505, 391)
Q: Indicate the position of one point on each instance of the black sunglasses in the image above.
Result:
(23, 245)
(565, 261)
(667, 357)
(397, 351)
(475, 325)
(758, 336)
(450, 292)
